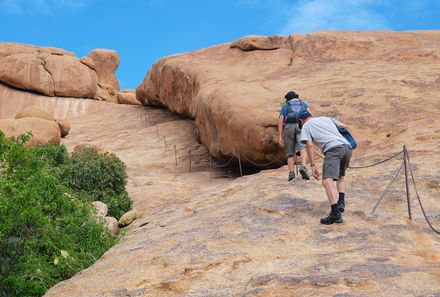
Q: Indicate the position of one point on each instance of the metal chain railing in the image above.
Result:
(377, 163)
(418, 196)
(369, 165)
(405, 164)
(261, 165)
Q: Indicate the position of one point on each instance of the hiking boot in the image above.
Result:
(341, 206)
(330, 219)
(303, 171)
(291, 175)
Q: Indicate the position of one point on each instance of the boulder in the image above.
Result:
(101, 208)
(27, 72)
(127, 218)
(49, 74)
(106, 62)
(43, 131)
(235, 95)
(79, 148)
(34, 112)
(71, 77)
(112, 225)
(64, 127)
(106, 93)
(88, 62)
(55, 72)
(128, 97)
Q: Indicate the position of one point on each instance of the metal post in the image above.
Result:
(405, 158)
(239, 161)
(157, 131)
(210, 167)
(165, 143)
(175, 154)
(189, 160)
(386, 189)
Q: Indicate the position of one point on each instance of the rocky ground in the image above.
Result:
(251, 236)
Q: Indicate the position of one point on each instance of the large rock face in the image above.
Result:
(235, 91)
(201, 234)
(57, 73)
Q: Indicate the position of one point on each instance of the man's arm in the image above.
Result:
(281, 131)
(310, 155)
(341, 124)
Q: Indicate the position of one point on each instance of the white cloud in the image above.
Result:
(311, 15)
(43, 7)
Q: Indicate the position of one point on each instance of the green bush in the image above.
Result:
(98, 177)
(46, 234)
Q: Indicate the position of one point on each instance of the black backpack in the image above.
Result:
(293, 107)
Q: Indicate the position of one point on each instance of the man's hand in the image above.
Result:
(281, 142)
(315, 172)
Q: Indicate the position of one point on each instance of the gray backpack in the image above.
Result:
(293, 107)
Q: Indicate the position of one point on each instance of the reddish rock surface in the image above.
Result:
(105, 63)
(128, 97)
(34, 112)
(57, 73)
(43, 131)
(235, 93)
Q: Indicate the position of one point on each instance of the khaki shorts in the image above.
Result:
(292, 139)
(336, 162)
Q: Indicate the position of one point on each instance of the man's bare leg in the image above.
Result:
(330, 190)
(303, 153)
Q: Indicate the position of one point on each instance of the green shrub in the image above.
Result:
(98, 177)
(46, 234)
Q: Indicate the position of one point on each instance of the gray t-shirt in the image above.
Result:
(323, 132)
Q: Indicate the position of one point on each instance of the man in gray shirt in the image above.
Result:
(323, 132)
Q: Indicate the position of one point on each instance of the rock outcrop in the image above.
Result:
(34, 112)
(128, 97)
(101, 209)
(235, 91)
(43, 131)
(44, 128)
(105, 63)
(128, 218)
(57, 73)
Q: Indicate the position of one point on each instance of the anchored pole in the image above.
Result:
(210, 162)
(189, 160)
(210, 167)
(405, 158)
(165, 143)
(386, 189)
(175, 154)
(239, 161)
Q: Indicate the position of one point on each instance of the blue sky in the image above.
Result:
(143, 31)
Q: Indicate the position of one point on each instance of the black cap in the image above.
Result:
(290, 95)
